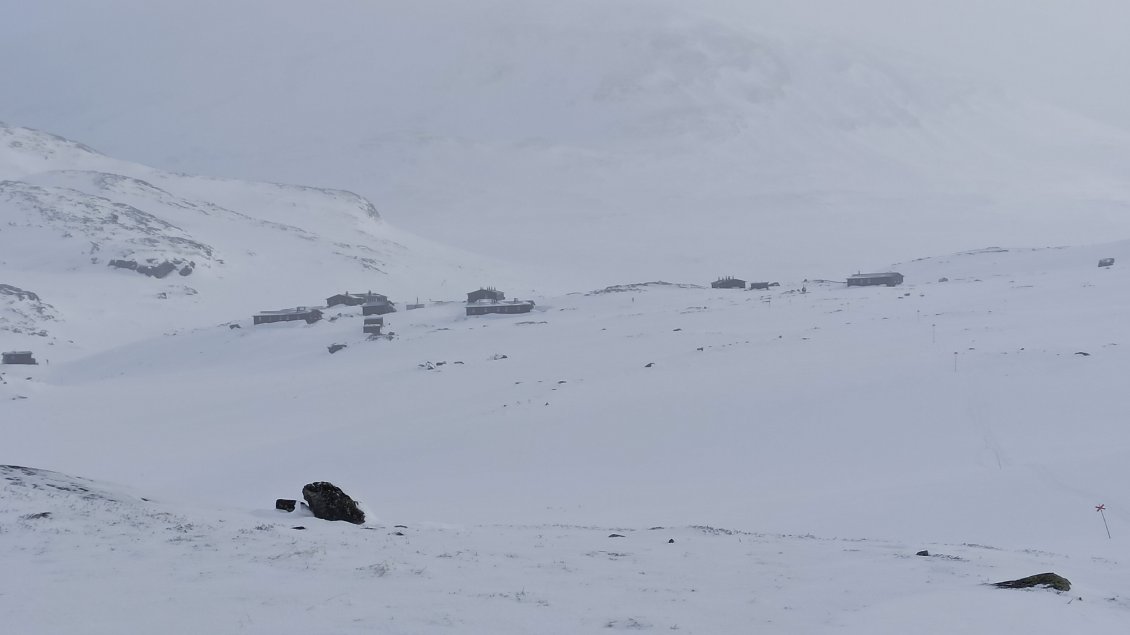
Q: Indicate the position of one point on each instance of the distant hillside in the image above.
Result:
(94, 248)
(635, 137)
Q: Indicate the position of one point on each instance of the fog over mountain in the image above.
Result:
(656, 139)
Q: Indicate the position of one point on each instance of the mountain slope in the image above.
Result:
(80, 228)
(639, 137)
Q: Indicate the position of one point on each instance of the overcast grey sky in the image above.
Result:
(1071, 52)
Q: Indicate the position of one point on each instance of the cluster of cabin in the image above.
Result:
(375, 305)
(889, 278)
(730, 282)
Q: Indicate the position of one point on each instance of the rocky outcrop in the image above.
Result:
(1057, 582)
(328, 502)
(23, 311)
(156, 269)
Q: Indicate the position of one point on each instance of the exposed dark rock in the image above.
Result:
(615, 535)
(21, 294)
(922, 553)
(157, 271)
(649, 365)
(1083, 354)
(670, 541)
(328, 502)
(298, 527)
(38, 516)
(333, 348)
(285, 504)
(234, 326)
(1057, 582)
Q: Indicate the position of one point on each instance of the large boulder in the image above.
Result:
(1057, 582)
(328, 502)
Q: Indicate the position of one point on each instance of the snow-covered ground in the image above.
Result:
(97, 559)
(827, 435)
(646, 456)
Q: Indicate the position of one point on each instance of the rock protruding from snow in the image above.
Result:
(22, 311)
(1057, 582)
(328, 502)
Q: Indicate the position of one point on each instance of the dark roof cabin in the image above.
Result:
(354, 299)
(890, 279)
(377, 304)
(18, 357)
(373, 325)
(307, 314)
(507, 307)
(759, 285)
(728, 283)
(491, 300)
(489, 293)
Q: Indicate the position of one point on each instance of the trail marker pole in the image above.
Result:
(1099, 509)
(933, 333)
(955, 361)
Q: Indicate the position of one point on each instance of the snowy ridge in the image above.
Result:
(227, 247)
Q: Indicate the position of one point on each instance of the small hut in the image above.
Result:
(489, 294)
(506, 307)
(307, 314)
(377, 304)
(728, 282)
(373, 325)
(890, 279)
(18, 357)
